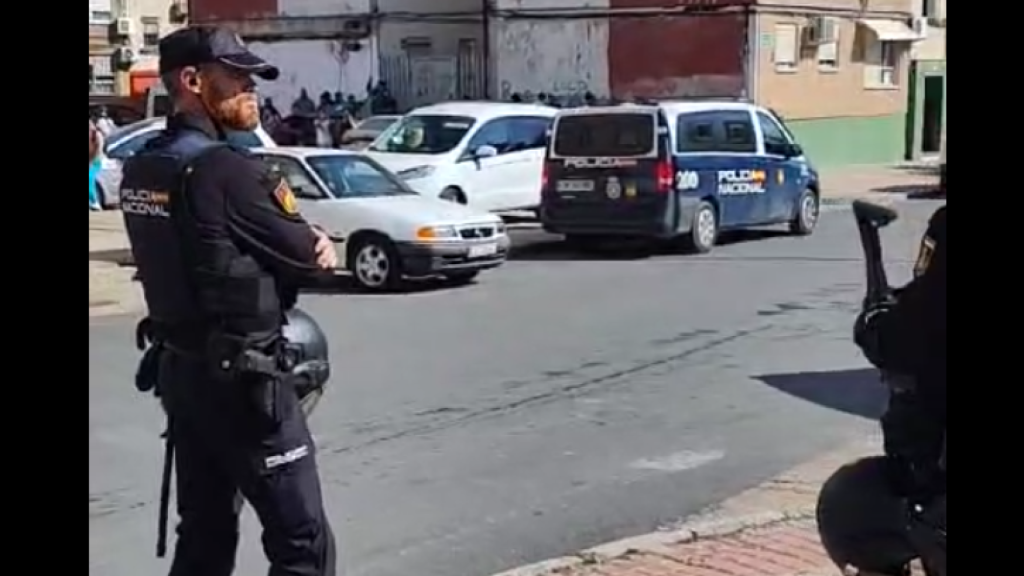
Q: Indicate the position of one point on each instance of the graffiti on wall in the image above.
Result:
(566, 92)
(559, 59)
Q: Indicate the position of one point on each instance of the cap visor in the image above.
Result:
(253, 64)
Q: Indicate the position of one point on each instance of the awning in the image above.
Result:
(891, 30)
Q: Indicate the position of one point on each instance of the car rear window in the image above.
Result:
(604, 135)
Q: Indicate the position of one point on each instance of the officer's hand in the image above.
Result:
(326, 257)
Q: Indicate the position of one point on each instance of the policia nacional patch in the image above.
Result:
(924, 256)
(285, 199)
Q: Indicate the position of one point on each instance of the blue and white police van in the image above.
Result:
(686, 169)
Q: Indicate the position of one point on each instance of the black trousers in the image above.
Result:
(225, 454)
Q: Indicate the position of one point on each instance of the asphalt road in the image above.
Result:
(558, 403)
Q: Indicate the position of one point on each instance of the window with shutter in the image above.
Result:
(787, 44)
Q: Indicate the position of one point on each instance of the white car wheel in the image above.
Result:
(375, 264)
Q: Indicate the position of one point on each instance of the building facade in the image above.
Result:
(144, 22)
(926, 98)
(617, 48)
(423, 53)
(838, 72)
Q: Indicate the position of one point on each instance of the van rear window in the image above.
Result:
(604, 135)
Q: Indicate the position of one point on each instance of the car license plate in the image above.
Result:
(483, 250)
(575, 185)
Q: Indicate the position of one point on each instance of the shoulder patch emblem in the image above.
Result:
(924, 256)
(285, 199)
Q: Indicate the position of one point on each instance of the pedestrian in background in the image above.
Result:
(95, 162)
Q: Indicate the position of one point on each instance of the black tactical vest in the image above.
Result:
(192, 289)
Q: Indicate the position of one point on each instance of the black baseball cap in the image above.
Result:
(195, 45)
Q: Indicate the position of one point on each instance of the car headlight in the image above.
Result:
(415, 172)
(429, 233)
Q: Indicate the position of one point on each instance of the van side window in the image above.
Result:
(775, 140)
(529, 132)
(495, 133)
(725, 131)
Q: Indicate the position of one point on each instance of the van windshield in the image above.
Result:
(424, 134)
(604, 135)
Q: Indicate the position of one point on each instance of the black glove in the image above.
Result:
(865, 332)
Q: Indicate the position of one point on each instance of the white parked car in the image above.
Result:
(488, 155)
(125, 141)
(386, 232)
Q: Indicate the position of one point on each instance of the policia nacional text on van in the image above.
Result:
(220, 249)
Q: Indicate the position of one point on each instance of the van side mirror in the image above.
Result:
(793, 151)
(485, 151)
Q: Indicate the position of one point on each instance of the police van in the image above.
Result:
(687, 169)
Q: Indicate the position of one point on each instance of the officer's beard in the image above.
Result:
(232, 112)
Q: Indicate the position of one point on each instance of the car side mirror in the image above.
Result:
(793, 151)
(485, 151)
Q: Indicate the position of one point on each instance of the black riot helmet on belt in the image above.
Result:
(307, 349)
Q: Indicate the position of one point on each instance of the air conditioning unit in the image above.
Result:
(124, 27)
(821, 30)
(920, 26)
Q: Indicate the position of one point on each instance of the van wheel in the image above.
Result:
(704, 231)
(453, 194)
(807, 211)
(375, 264)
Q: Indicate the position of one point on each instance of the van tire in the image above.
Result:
(704, 230)
(453, 194)
(808, 212)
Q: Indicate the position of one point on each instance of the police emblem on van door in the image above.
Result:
(614, 188)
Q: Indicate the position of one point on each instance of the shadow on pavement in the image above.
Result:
(912, 191)
(342, 284)
(619, 249)
(858, 392)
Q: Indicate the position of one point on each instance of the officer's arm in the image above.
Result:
(282, 242)
(911, 336)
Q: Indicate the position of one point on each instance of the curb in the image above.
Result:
(656, 542)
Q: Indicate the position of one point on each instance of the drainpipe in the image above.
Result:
(485, 27)
(375, 41)
(753, 55)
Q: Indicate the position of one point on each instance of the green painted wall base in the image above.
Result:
(831, 142)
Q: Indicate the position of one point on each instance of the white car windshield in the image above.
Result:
(356, 177)
(424, 134)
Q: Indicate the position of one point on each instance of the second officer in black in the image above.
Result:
(221, 249)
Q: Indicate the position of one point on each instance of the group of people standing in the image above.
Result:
(324, 123)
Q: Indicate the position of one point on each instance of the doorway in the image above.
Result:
(931, 115)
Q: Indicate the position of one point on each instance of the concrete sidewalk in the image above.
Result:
(111, 290)
(766, 531)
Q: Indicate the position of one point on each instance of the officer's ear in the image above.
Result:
(190, 79)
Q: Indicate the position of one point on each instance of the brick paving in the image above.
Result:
(784, 549)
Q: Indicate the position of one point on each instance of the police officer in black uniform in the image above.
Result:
(907, 336)
(221, 249)
(863, 508)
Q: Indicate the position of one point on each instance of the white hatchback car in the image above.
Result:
(488, 155)
(125, 141)
(386, 232)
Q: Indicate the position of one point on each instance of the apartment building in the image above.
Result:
(123, 36)
(839, 72)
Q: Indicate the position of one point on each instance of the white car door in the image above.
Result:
(310, 195)
(529, 138)
(489, 181)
